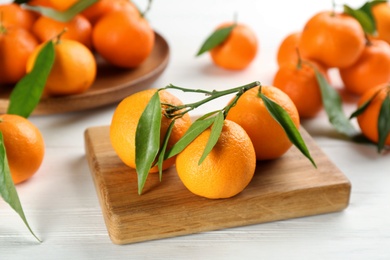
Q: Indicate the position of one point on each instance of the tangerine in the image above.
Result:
(268, 137)
(24, 146)
(103, 7)
(16, 45)
(238, 50)
(226, 170)
(287, 51)
(125, 120)
(300, 83)
(14, 15)
(371, 69)
(62, 5)
(368, 120)
(333, 39)
(78, 29)
(381, 13)
(123, 38)
(73, 71)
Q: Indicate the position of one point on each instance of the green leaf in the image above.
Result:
(164, 148)
(363, 107)
(284, 119)
(364, 16)
(215, 39)
(333, 107)
(384, 123)
(216, 130)
(194, 131)
(7, 188)
(147, 139)
(28, 91)
(65, 16)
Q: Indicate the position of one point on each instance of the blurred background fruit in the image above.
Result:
(238, 50)
(73, 71)
(332, 39)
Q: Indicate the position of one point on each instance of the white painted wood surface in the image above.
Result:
(61, 204)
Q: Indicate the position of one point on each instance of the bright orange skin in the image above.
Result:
(226, 171)
(287, 51)
(14, 15)
(78, 29)
(16, 45)
(268, 137)
(238, 50)
(381, 13)
(371, 69)
(301, 85)
(114, 38)
(368, 120)
(62, 5)
(24, 146)
(73, 71)
(45, 3)
(125, 120)
(334, 40)
(103, 7)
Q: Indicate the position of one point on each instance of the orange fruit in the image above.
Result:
(103, 7)
(16, 45)
(123, 38)
(78, 29)
(300, 84)
(238, 50)
(371, 69)
(333, 39)
(268, 137)
(287, 50)
(226, 171)
(73, 71)
(62, 5)
(125, 120)
(44, 3)
(24, 146)
(368, 120)
(381, 13)
(14, 15)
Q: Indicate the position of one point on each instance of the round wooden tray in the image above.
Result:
(111, 85)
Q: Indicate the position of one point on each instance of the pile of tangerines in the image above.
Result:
(335, 40)
(107, 27)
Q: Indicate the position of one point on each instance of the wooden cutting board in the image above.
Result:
(284, 188)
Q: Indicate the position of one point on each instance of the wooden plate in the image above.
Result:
(112, 84)
(288, 187)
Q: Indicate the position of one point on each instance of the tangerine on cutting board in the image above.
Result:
(268, 137)
(125, 120)
(227, 169)
(24, 146)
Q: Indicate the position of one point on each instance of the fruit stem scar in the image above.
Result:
(2, 27)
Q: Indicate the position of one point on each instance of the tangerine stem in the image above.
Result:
(143, 14)
(171, 111)
(2, 27)
(299, 64)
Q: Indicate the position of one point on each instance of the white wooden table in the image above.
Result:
(61, 203)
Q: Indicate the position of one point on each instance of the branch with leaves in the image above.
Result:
(149, 152)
